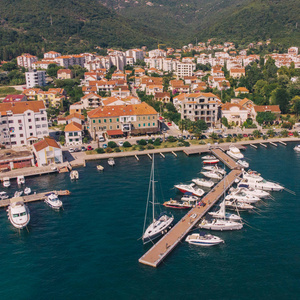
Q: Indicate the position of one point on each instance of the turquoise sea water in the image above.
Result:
(90, 249)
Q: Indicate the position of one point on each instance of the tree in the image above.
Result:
(265, 117)
(256, 133)
(281, 97)
(271, 133)
(52, 70)
(296, 105)
(225, 122)
(126, 144)
(112, 144)
(9, 66)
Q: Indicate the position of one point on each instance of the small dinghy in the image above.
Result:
(100, 168)
(27, 191)
(111, 161)
(211, 161)
(74, 175)
(208, 157)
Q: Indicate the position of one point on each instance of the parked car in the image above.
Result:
(203, 137)
(234, 135)
(104, 146)
(121, 143)
(83, 148)
(76, 150)
(225, 135)
(220, 136)
(169, 124)
(290, 133)
(101, 139)
(71, 150)
(230, 135)
(89, 148)
(245, 135)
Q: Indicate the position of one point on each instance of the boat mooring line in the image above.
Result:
(290, 191)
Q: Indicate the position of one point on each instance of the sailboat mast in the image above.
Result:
(153, 188)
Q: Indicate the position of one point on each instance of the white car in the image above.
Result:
(120, 143)
(71, 150)
(101, 139)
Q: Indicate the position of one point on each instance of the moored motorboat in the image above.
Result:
(211, 161)
(297, 148)
(251, 191)
(27, 190)
(215, 169)
(212, 174)
(220, 224)
(111, 161)
(222, 214)
(74, 175)
(241, 196)
(20, 179)
(100, 168)
(189, 197)
(235, 153)
(203, 182)
(18, 213)
(6, 182)
(53, 201)
(236, 205)
(190, 188)
(243, 163)
(180, 204)
(3, 195)
(202, 239)
(208, 157)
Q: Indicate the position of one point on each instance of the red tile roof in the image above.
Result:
(73, 126)
(46, 142)
(21, 107)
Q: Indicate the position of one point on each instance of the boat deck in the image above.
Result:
(34, 197)
(166, 244)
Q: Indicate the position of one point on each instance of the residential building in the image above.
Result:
(76, 108)
(130, 119)
(10, 159)
(200, 106)
(35, 78)
(47, 151)
(14, 98)
(52, 97)
(234, 113)
(265, 108)
(77, 118)
(23, 123)
(241, 90)
(185, 69)
(237, 72)
(73, 134)
(64, 74)
(136, 54)
(162, 97)
(43, 64)
(51, 54)
(25, 60)
(31, 94)
(91, 101)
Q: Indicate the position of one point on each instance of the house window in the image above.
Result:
(19, 121)
(20, 128)
(94, 121)
(144, 124)
(118, 126)
(77, 140)
(104, 120)
(148, 118)
(29, 120)
(30, 127)
(99, 121)
(148, 124)
(139, 125)
(75, 133)
(109, 120)
(153, 124)
(110, 127)
(31, 134)
(70, 133)
(21, 135)
(117, 119)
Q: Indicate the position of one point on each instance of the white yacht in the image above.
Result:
(74, 175)
(243, 163)
(163, 223)
(111, 161)
(250, 191)
(190, 188)
(212, 174)
(235, 153)
(203, 182)
(3, 195)
(21, 180)
(27, 191)
(241, 196)
(297, 148)
(6, 182)
(181, 204)
(215, 169)
(254, 180)
(202, 239)
(220, 224)
(208, 157)
(18, 213)
(236, 205)
(53, 201)
(221, 214)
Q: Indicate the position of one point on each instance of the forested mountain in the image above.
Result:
(72, 26)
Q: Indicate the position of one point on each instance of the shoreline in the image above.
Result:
(83, 158)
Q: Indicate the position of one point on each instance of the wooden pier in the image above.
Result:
(166, 244)
(223, 157)
(35, 197)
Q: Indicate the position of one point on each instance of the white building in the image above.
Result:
(25, 60)
(51, 54)
(23, 123)
(157, 52)
(135, 54)
(47, 151)
(35, 78)
(234, 113)
(185, 69)
(73, 134)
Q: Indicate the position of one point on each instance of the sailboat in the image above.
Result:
(221, 214)
(163, 223)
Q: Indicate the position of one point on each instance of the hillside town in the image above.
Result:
(82, 102)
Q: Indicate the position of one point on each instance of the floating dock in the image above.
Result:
(224, 158)
(35, 197)
(166, 244)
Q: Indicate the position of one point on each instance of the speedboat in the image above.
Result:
(236, 205)
(21, 180)
(181, 204)
(111, 161)
(203, 239)
(190, 188)
(203, 182)
(235, 153)
(254, 180)
(27, 191)
(53, 201)
(74, 175)
(241, 196)
(215, 169)
(100, 168)
(189, 197)
(208, 157)
(18, 213)
(6, 182)
(212, 174)
(243, 163)
(220, 224)
(3, 195)
(250, 191)
(297, 148)
(211, 161)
